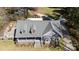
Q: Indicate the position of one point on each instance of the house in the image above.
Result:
(38, 31)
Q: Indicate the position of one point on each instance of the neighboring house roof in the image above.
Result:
(30, 28)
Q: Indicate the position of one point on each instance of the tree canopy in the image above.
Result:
(72, 16)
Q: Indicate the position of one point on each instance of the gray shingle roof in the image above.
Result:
(23, 28)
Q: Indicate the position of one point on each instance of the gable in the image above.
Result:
(48, 28)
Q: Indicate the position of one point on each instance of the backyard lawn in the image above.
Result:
(8, 45)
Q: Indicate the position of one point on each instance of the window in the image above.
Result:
(32, 29)
(22, 31)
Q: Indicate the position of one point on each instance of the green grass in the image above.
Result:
(56, 49)
(8, 45)
(43, 10)
(46, 10)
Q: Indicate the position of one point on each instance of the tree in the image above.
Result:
(19, 12)
(72, 17)
(1, 22)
